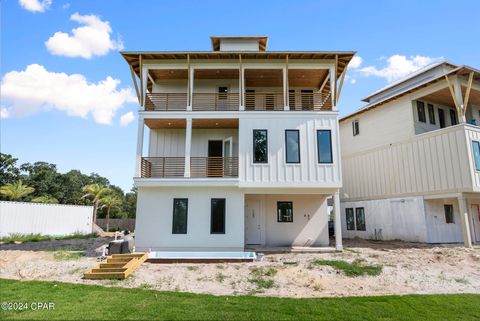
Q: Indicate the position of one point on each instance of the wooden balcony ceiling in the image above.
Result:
(443, 97)
(263, 77)
(160, 74)
(196, 123)
(307, 77)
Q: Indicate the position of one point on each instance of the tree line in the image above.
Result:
(41, 182)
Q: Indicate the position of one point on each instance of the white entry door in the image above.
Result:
(253, 222)
(475, 210)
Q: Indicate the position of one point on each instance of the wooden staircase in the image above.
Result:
(117, 266)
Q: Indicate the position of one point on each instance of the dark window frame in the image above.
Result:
(449, 220)
(364, 226)
(286, 148)
(431, 114)
(318, 147)
(356, 127)
(422, 116)
(453, 117)
(349, 210)
(224, 215)
(173, 216)
(254, 146)
(278, 208)
(475, 142)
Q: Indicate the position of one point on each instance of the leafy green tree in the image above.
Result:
(9, 173)
(44, 178)
(16, 191)
(110, 201)
(95, 192)
(45, 199)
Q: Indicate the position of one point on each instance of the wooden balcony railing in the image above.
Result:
(215, 101)
(163, 166)
(309, 101)
(214, 166)
(264, 101)
(166, 102)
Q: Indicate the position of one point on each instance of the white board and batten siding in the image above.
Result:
(45, 219)
(435, 162)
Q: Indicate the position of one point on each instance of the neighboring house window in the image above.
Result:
(324, 146)
(421, 112)
(292, 145)
(355, 127)
(260, 146)
(180, 214)
(350, 219)
(360, 218)
(431, 114)
(476, 154)
(291, 99)
(453, 117)
(448, 213)
(284, 212)
(217, 220)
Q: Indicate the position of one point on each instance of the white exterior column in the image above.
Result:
(188, 146)
(145, 84)
(464, 217)
(138, 167)
(242, 88)
(191, 80)
(332, 87)
(337, 222)
(285, 101)
(458, 95)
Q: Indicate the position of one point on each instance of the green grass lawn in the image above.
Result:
(88, 302)
(38, 237)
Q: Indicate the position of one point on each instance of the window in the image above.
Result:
(350, 219)
(307, 99)
(360, 218)
(453, 117)
(355, 127)
(431, 114)
(180, 213)
(217, 220)
(260, 146)
(284, 212)
(476, 154)
(448, 213)
(441, 118)
(421, 112)
(324, 146)
(291, 99)
(292, 145)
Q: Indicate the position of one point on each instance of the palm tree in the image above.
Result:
(95, 192)
(16, 191)
(109, 202)
(45, 199)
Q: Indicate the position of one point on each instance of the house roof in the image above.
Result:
(457, 70)
(262, 41)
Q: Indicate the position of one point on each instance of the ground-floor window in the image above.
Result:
(284, 212)
(180, 213)
(350, 219)
(360, 218)
(448, 213)
(217, 219)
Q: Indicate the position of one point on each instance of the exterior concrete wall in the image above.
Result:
(155, 215)
(438, 230)
(45, 219)
(389, 219)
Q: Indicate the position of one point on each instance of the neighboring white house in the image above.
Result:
(411, 159)
(243, 146)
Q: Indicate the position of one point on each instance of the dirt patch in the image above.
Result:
(407, 268)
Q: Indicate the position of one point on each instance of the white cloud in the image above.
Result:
(91, 39)
(3, 112)
(36, 89)
(126, 118)
(66, 6)
(353, 81)
(355, 62)
(398, 66)
(35, 5)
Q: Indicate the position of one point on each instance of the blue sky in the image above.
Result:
(65, 126)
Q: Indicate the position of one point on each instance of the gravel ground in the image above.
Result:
(407, 268)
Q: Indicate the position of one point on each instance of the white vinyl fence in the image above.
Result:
(45, 219)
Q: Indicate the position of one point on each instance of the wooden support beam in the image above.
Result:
(324, 83)
(452, 92)
(342, 78)
(134, 78)
(467, 93)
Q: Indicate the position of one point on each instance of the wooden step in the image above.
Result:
(104, 275)
(118, 260)
(117, 266)
(108, 270)
(111, 265)
(129, 255)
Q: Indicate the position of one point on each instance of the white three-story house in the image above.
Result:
(411, 159)
(241, 149)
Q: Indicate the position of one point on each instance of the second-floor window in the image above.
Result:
(260, 146)
(476, 154)
(292, 145)
(453, 117)
(431, 114)
(324, 146)
(421, 112)
(355, 127)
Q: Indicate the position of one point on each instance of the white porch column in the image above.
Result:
(337, 221)
(190, 86)
(464, 217)
(241, 86)
(188, 146)
(138, 166)
(285, 80)
(333, 81)
(458, 95)
(145, 85)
